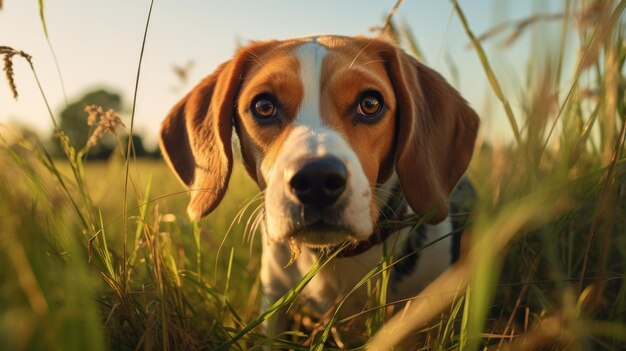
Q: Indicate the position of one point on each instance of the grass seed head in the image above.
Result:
(8, 70)
(8, 53)
(104, 121)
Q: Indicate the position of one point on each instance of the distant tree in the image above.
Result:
(140, 148)
(74, 121)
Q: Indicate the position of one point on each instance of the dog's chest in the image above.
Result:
(416, 262)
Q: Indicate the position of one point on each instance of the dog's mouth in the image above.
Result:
(321, 234)
(319, 229)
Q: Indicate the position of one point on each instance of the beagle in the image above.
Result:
(340, 134)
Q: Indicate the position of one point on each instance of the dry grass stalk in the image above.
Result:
(517, 28)
(8, 53)
(550, 333)
(387, 26)
(104, 121)
(586, 16)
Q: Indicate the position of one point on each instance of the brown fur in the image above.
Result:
(436, 134)
(196, 135)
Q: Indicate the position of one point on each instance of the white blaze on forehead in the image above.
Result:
(311, 56)
(311, 138)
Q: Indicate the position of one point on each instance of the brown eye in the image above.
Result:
(264, 107)
(370, 105)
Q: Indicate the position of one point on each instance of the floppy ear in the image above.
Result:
(436, 131)
(196, 135)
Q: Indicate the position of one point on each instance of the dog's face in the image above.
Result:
(308, 119)
(322, 122)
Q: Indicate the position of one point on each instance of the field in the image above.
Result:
(101, 254)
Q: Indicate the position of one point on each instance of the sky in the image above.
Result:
(98, 44)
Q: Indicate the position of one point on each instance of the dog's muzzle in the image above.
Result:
(316, 186)
(317, 193)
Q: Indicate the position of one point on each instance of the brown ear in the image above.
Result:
(196, 135)
(436, 134)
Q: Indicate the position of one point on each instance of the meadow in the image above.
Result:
(101, 255)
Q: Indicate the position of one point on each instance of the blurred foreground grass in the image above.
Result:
(59, 291)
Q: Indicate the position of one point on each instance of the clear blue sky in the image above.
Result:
(98, 44)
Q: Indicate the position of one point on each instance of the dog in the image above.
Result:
(341, 134)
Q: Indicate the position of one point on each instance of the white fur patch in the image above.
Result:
(311, 56)
(311, 138)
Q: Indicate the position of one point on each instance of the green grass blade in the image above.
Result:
(491, 76)
(130, 137)
(42, 18)
(285, 300)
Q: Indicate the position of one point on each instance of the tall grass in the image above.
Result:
(547, 265)
(102, 255)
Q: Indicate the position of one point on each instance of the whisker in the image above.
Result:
(390, 191)
(381, 211)
(255, 228)
(359, 53)
(254, 58)
(252, 231)
(238, 217)
(258, 217)
(246, 232)
(372, 61)
(385, 186)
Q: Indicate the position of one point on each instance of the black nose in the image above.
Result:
(319, 182)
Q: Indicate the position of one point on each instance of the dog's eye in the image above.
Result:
(263, 107)
(370, 105)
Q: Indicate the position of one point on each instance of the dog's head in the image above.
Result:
(322, 122)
